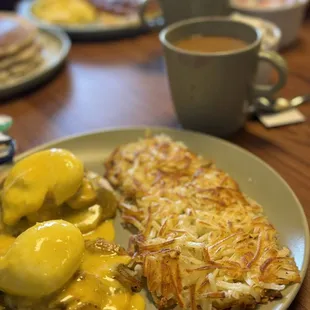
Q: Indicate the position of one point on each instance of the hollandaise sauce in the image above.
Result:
(96, 285)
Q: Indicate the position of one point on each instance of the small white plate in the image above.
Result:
(55, 48)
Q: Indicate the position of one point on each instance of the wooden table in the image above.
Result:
(122, 83)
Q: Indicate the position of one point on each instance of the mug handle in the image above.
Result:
(280, 66)
(153, 25)
(9, 157)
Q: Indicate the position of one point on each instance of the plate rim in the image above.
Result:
(303, 272)
(38, 77)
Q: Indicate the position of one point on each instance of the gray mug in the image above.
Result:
(212, 91)
(177, 10)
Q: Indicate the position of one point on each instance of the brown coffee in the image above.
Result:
(210, 44)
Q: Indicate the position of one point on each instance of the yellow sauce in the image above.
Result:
(96, 283)
(55, 174)
(5, 242)
(85, 197)
(105, 230)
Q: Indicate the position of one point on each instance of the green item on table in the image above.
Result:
(5, 123)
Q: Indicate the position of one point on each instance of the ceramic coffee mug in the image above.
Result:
(177, 10)
(212, 91)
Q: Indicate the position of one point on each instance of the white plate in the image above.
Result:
(255, 177)
(92, 31)
(55, 49)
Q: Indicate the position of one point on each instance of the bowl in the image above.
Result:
(286, 14)
(271, 37)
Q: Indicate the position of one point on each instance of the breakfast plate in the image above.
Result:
(55, 46)
(255, 178)
(105, 26)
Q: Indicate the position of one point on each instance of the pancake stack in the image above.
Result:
(20, 52)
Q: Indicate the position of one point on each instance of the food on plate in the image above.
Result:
(124, 12)
(15, 33)
(20, 52)
(83, 12)
(201, 243)
(56, 238)
(53, 184)
(94, 285)
(42, 259)
(56, 174)
(96, 281)
(65, 11)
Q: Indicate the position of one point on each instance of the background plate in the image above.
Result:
(92, 31)
(255, 178)
(55, 48)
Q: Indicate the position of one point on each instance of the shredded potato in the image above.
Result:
(202, 244)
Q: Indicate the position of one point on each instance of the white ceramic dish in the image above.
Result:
(288, 17)
(96, 30)
(255, 177)
(55, 49)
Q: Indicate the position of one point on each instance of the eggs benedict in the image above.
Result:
(53, 184)
(53, 174)
(42, 259)
(63, 256)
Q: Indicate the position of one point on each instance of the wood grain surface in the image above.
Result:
(123, 83)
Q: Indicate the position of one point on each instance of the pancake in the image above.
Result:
(15, 34)
(22, 69)
(24, 55)
(4, 77)
(20, 51)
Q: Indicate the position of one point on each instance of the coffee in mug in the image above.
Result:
(210, 44)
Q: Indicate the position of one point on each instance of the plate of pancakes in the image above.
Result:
(28, 54)
(91, 19)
